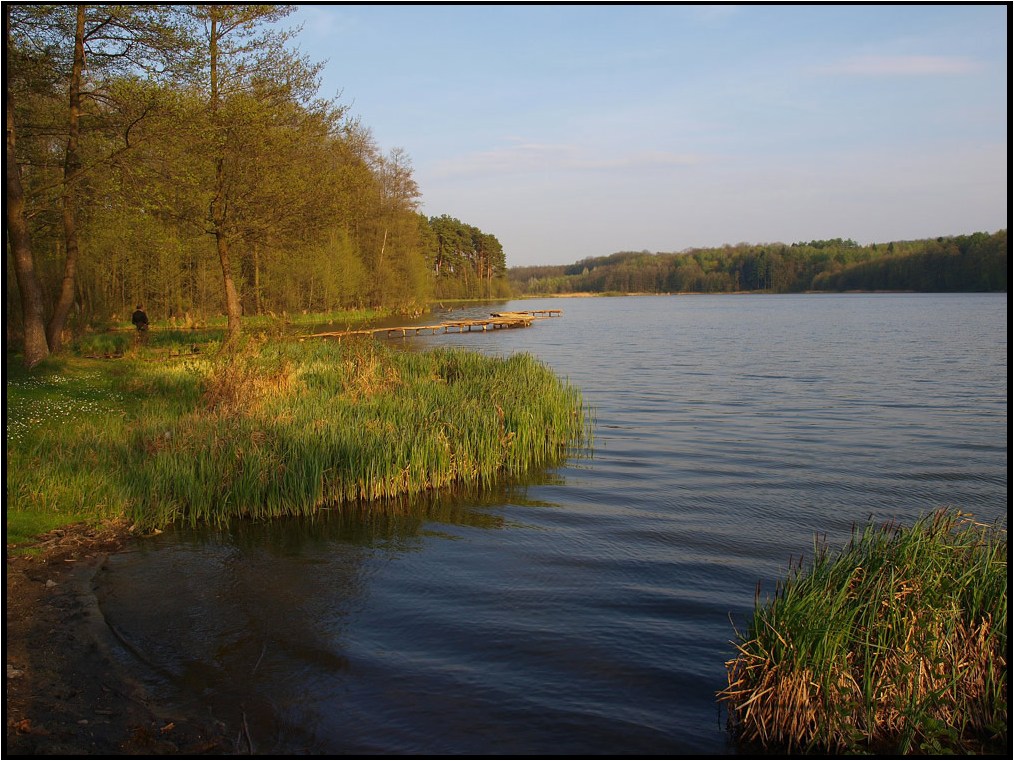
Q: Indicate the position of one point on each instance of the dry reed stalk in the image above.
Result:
(907, 654)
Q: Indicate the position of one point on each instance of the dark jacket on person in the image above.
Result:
(140, 320)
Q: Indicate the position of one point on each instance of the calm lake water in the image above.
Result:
(590, 611)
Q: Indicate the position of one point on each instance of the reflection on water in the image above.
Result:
(588, 611)
(249, 621)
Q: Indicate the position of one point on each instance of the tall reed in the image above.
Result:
(278, 428)
(898, 644)
(285, 429)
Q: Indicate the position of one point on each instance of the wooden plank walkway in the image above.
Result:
(496, 321)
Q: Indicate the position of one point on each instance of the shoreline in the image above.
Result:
(616, 294)
(71, 689)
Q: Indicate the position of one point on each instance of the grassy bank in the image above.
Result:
(896, 645)
(280, 428)
(272, 320)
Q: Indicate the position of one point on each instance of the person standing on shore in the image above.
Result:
(140, 321)
(139, 318)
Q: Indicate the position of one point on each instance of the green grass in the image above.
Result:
(278, 428)
(897, 645)
(181, 332)
(62, 418)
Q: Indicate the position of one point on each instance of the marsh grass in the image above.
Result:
(153, 345)
(898, 644)
(103, 344)
(269, 323)
(288, 429)
(279, 428)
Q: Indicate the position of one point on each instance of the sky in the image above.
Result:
(570, 131)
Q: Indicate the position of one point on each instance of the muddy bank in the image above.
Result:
(70, 689)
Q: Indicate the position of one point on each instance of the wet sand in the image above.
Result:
(70, 689)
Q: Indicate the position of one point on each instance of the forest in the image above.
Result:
(976, 262)
(183, 158)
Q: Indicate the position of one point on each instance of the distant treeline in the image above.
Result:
(463, 261)
(976, 262)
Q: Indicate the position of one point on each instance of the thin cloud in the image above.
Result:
(904, 66)
(711, 15)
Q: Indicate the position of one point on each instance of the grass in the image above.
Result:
(898, 644)
(61, 424)
(180, 334)
(278, 428)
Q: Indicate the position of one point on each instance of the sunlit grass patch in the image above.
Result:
(898, 644)
(58, 394)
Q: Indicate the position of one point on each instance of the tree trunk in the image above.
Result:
(257, 280)
(232, 307)
(71, 172)
(380, 277)
(35, 347)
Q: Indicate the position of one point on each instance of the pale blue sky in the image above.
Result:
(579, 130)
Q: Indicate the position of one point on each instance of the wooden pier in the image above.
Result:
(496, 321)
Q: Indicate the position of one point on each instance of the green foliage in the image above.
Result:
(311, 215)
(279, 429)
(975, 262)
(897, 644)
(466, 262)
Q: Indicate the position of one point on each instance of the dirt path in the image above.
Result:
(68, 690)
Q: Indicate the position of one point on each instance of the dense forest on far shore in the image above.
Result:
(976, 262)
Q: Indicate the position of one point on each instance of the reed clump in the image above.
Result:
(289, 428)
(241, 382)
(898, 644)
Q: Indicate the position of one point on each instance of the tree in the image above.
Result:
(489, 256)
(86, 46)
(35, 347)
(396, 258)
(210, 179)
(466, 262)
(242, 56)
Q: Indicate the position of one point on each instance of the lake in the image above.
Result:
(590, 610)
